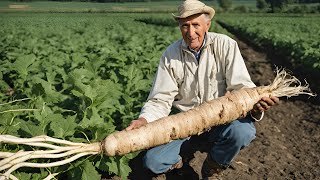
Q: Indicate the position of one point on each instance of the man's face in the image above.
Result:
(193, 30)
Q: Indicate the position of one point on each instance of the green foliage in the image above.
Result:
(261, 4)
(225, 4)
(277, 5)
(241, 9)
(85, 171)
(303, 8)
(27, 176)
(293, 37)
(85, 76)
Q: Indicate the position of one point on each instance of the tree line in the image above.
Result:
(226, 5)
(279, 5)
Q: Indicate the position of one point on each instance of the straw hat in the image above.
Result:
(192, 7)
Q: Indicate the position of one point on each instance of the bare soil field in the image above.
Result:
(287, 140)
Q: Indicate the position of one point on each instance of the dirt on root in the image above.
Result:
(287, 140)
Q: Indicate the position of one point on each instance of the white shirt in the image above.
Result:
(185, 83)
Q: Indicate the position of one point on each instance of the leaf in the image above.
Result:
(22, 63)
(109, 95)
(42, 115)
(77, 59)
(90, 92)
(95, 119)
(51, 76)
(30, 129)
(124, 167)
(8, 124)
(113, 76)
(47, 90)
(89, 172)
(80, 75)
(94, 65)
(22, 175)
(112, 165)
(102, 164)
(103, 130)
(62, 127)
(119, 166)
(97, 125)
(37, 176)
(81, 89)
(86, 171)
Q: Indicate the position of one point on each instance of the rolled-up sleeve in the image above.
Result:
(162, 94)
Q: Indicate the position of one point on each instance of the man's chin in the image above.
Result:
(193, 47)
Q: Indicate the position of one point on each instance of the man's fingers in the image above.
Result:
(132, 125)
(271, 101)
(264, 105)
(129, 127)
(260, 107)
(136, 124)
(275, 99)
(266, 102)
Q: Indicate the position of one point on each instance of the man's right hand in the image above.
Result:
(137, 123)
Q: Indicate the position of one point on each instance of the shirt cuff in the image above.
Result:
(257, 119)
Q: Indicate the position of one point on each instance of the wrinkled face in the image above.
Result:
(193, 30)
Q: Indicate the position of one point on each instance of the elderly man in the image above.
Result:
(197, 68)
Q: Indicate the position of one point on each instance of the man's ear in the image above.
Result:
(208, 25)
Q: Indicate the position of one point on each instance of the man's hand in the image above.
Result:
(137, 123)
(265, 103)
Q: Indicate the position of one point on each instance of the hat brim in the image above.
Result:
(206, 10)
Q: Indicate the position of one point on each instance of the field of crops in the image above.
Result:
(83, 76)
(295, 37)
(80, 77)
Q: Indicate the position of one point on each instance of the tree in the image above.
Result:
(277, 5)
(225, 4)
(261, 4)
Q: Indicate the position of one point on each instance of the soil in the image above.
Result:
(287, 140)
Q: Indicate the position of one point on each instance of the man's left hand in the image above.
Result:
(265, 103)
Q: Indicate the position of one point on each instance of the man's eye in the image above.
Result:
(185, 26)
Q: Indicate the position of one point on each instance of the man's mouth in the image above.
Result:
(193, 39)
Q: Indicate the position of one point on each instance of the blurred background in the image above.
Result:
(243, 6)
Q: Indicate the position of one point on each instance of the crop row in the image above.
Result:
(295, 37)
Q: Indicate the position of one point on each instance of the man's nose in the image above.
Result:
(191, 31)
